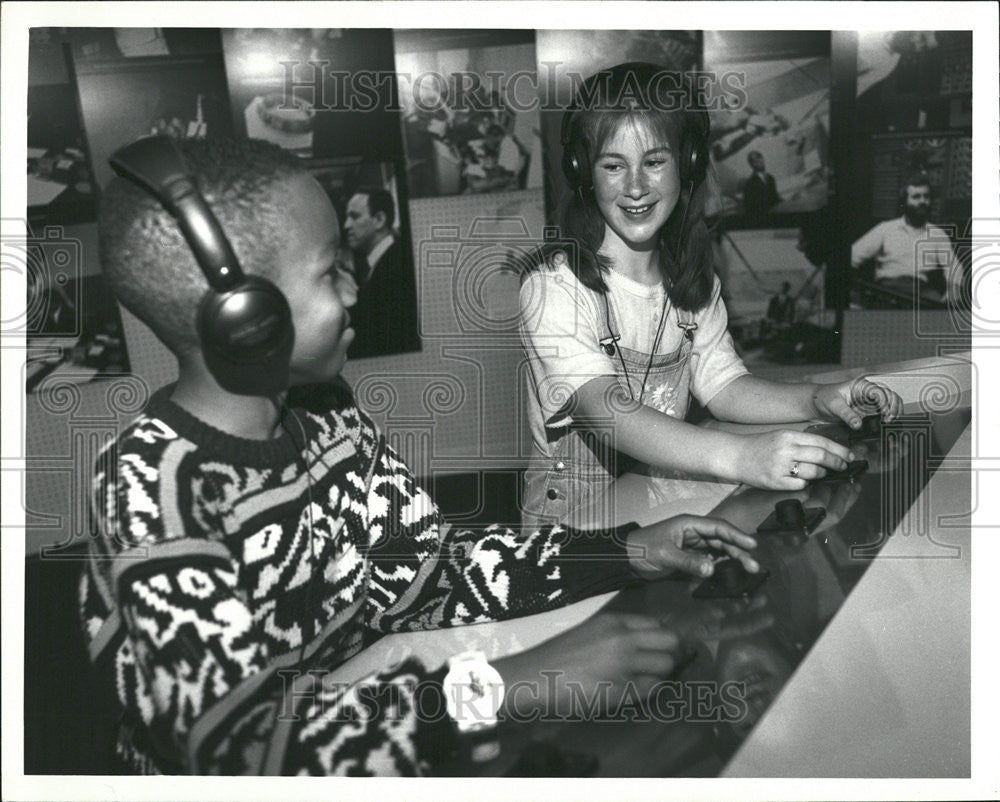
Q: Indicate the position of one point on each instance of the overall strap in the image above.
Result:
(688, 322)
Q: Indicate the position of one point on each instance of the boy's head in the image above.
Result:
(280, 224)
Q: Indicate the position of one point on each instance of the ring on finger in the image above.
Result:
(794, 469)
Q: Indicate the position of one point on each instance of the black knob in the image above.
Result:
(552, 494)
(730, 574)
(871, 426)
(790, 513)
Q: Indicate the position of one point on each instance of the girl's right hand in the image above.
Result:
(787, 460)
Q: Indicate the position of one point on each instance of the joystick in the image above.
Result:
(871, 429)
(852, 471)
(790, 514)
(730, 580)
(790, 518)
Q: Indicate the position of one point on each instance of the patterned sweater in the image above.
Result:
(227, 576)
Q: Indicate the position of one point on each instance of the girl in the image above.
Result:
(624, 321)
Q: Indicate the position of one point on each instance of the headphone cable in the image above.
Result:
(656, 341)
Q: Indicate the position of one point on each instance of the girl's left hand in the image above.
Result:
(851, 400)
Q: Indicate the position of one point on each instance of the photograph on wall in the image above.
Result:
(107, 44)
(914, 80)
(913, 162)
(916, 199)
(72, 325)
(470, 111)
(374, 266)
(60, 187)
(771, 152)
(773, 285)
(121, 100)
(317, 92)
(566, 58)
(92, 90)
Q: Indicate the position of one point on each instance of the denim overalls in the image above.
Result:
(584, 462)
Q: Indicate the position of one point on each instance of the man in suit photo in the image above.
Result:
(386, 310)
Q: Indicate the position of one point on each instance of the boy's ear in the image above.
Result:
(381, 218)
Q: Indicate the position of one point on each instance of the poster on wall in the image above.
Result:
(121, 100)
(374, 268)
(773, 285)
(470, 111)
(73, 326)
(329, 96)
(92, 90)
(913, 162)
(318, 92)
(60, 187)
(566, 58)
(914, 80)
(770, 152)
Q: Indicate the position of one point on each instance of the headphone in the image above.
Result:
(693, 159)
(244, 322)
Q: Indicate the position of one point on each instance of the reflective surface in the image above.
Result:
(745, 649)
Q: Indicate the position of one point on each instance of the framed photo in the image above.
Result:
(771, 153)
(470, 111)
(72, 324)
(122, 100)
(912, 162)
(914, 80)
(773, 285)
(60, 185)
(374, 266)
(318, 92)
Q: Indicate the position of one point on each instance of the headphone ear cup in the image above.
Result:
(576, 165)
(575, 161)
(247, 337)
(694, 149)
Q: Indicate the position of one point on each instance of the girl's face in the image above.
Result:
(636, 184)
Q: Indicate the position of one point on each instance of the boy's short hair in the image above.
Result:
(144, 256)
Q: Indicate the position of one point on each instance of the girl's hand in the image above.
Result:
(680, 544)
(851, 400)
(787, 460)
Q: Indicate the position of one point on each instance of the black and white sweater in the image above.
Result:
(227, 575)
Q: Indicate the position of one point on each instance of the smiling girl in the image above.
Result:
(624, 321)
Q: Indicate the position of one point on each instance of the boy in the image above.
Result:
(246, 544)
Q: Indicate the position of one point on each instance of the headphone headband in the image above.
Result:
(155, 164)
(639, 82)
(244, 322)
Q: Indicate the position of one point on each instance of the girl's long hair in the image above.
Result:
(685, 256)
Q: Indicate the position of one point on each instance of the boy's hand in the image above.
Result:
(679, 543)
(850, 400)
(588, 669)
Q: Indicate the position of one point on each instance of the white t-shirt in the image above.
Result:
(562, 324)
(899, 251)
